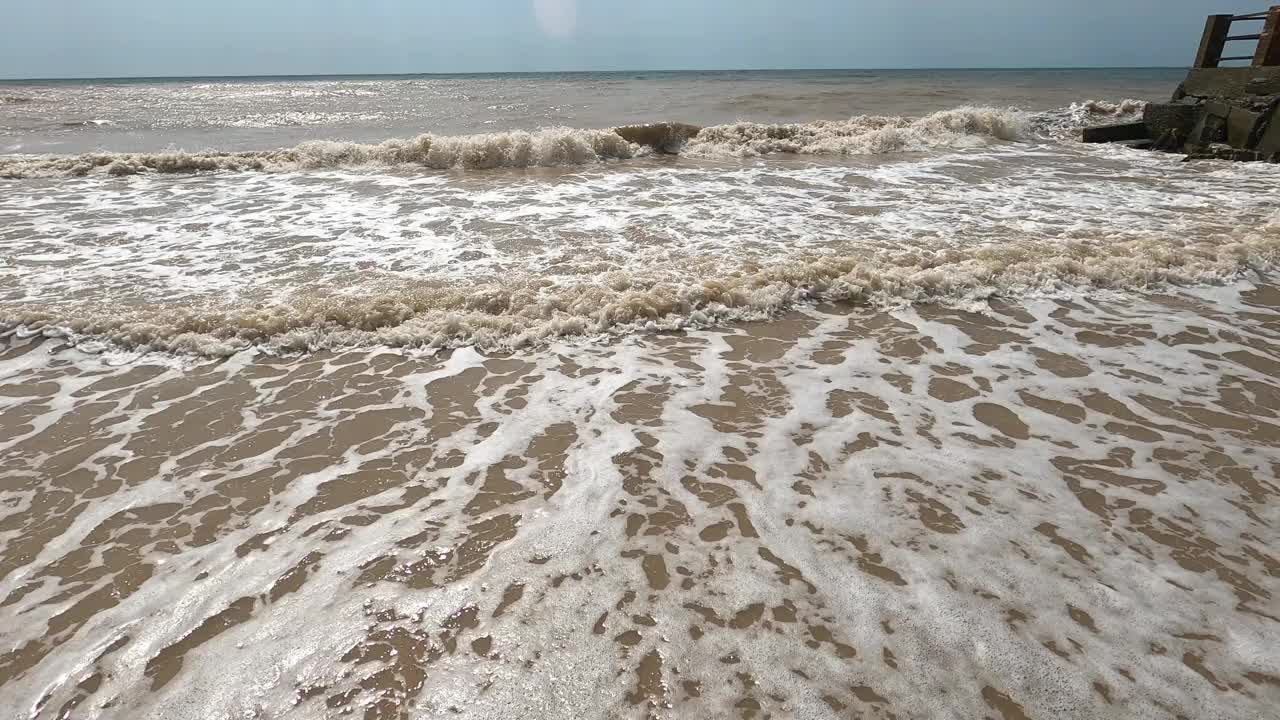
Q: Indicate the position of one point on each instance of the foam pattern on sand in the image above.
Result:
(1054, 509)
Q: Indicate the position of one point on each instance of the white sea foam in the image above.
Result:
(1134, 551)
(866, 135)
(1064, 123)
(547, 147)
(214, 264)
(529, 311)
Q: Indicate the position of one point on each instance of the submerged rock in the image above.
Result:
(1223, 151)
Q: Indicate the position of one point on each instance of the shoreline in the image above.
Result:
(643, 523)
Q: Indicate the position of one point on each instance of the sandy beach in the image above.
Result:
(1050, 509)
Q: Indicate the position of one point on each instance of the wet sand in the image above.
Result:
(1050, 509)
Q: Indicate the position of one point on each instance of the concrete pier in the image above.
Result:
(1218, 112)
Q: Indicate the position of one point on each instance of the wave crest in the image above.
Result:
(547, 147)
(863, 135)
(1063, 123)
(867, 134)
(695, 292)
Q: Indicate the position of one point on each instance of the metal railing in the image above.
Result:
(1217, 33)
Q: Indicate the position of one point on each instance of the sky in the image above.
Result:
(149, 38)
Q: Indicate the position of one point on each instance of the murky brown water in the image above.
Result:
(1029, 471)
(1050, 509)
(73, 116)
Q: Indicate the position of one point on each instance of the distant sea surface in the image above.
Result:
(269, 112)
(854, 394)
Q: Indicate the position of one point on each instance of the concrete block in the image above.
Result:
(1210, 129)
(1240, 126)
(1230, 82)
(1269, 143)
(1116, 133)
(1217, 108)
(1263, 85)
(1179, 118)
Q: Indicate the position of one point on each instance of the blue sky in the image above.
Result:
(102, 38)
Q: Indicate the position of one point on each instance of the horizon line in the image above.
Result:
(289, 76)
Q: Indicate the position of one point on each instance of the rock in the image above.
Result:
(1116, 133)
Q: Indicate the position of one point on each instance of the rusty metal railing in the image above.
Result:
(1217, 33)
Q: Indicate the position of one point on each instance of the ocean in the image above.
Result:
(855, 394)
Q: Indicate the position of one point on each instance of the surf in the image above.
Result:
(564, 146)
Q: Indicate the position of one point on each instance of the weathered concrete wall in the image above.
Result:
(1230, 82)
(1161, 118)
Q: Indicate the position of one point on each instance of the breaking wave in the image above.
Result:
(864, 135)
(548, 147)
(1063, 123)
(692, 293)
(961, 127)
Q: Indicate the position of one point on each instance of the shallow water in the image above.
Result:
(213, 263)
(1052, 509)
(931, 413)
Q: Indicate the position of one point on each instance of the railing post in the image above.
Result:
(1269, 44)
(1216, 28)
